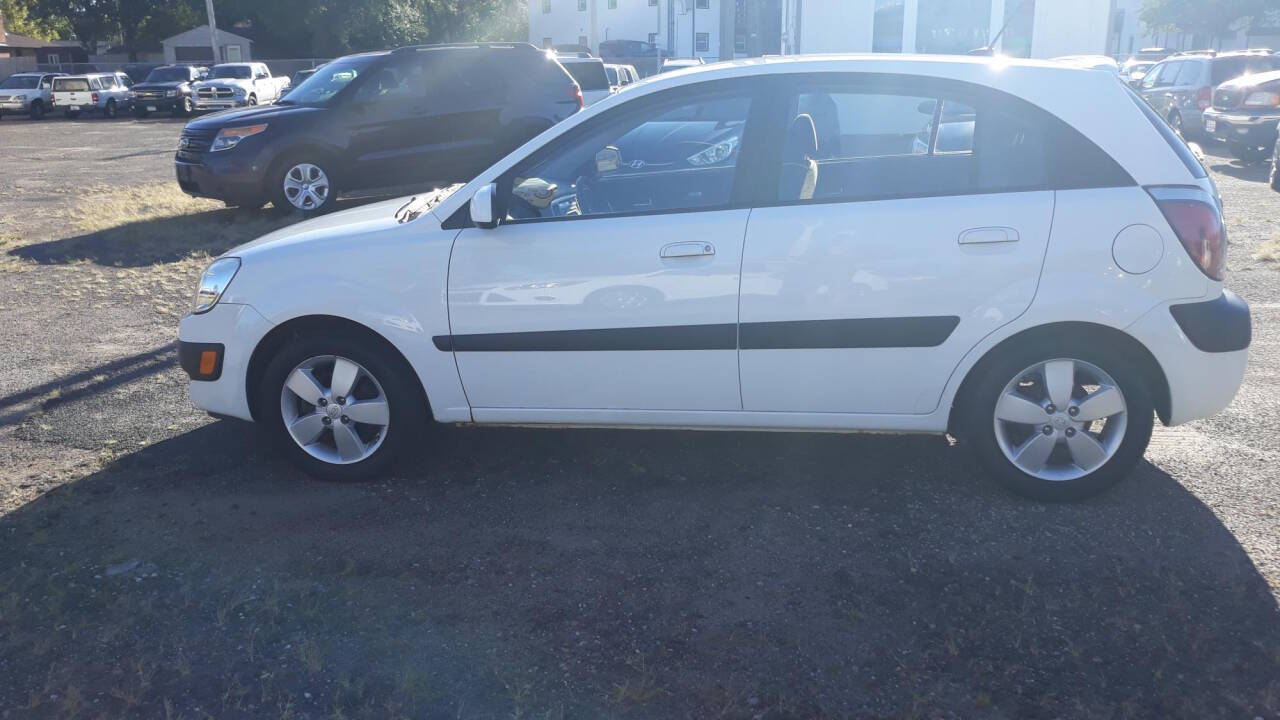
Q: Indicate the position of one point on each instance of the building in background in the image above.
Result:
(1130, 35)
(34, 51)
(686, 28)
(193, 46)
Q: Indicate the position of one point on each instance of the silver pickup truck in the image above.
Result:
(232, 85)
(27, 93)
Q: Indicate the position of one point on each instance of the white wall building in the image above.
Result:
(194, 46)
(685, 28)
(1032, 28)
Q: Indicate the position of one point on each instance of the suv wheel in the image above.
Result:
(111, 110)
(1060, 422)
(1248, 153)
(303, 184)
(340, 407)
(183, 108)
(37, 110)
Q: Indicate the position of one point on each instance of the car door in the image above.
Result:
(1156, 86)
(611, 288)
(909, 219)
(382, 117)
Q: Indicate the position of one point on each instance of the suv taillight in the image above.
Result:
(575, 93)
(95, 98)
(1204, 97)
(1196, 219)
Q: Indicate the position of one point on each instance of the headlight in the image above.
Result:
(228, 138)
(171, 93)
(716, 153)
(214, 282)
(1262, 99)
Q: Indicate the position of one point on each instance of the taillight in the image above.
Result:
(1204, 97)
(1196, 219)
(575, 93)
(95, 98)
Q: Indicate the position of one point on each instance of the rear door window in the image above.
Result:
(589, 75)
(1169, 74)
(1189, 74)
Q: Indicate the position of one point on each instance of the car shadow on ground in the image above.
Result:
(597, 573)
(1216, 157)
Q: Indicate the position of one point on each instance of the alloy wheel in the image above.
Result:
(1060, 419)
(334, 409)
(306, 186)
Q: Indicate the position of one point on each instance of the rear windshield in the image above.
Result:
(1187, 157)
(590, 75)
(1225, 69)
(70, 84)
(238, 72)
(613, 75)
(20, 82)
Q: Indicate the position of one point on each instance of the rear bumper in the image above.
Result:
(1201, 381)
(1241, 127)
(237, 330)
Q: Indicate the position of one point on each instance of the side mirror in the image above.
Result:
(608, 160)
(483, 205)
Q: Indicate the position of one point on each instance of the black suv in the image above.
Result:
(166, 89)
(414, 115)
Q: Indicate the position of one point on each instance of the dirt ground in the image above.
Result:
(156, 563)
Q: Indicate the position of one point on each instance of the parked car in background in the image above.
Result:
(1091, 62)
(1146, 55)
(105, 94)
(298, 77)
(620, 76)
(646, 57)
(1133, 73)
(138, 72)
(27, 94)
(1245, 113)
(436, 113)
(766, 248)
(671, 64)
(590, 75)
(232, 85)
(167, 89)
(1181, 87)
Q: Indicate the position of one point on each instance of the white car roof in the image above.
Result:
(1071, 93)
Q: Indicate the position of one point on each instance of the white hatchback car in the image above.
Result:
(1019, 253)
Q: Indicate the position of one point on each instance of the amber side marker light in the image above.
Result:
(208, 361)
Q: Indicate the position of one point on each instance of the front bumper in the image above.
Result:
(237, 329)
(219, 103)
(1241, 127)
(151, 104)
(13, 106)
(230, 175)
(1203, 357)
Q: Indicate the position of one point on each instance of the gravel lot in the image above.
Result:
(155, 563)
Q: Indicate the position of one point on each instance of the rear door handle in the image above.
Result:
(688, 249)
(988, 235)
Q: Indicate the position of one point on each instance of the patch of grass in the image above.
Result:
(1269, 251)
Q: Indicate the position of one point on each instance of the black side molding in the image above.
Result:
(785, 335)
(1221, 325)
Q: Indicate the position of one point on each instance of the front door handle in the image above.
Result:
(688, 249)
(988, 235)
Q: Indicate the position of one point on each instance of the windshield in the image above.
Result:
(590, 75)
(70, 84)
(236, 72)
(613, 75)
(20, 82)
(160, 75)
(328, 81)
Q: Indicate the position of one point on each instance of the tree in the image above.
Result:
(144, 23)
(20, 18)
(89, 20)
(1215, 18)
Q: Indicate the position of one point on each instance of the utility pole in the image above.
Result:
(693, 31)
(213, 30)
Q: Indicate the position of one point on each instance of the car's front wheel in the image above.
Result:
(182, 108)
(1056, 421)
(339, 405)
(303, 184)
(37, 110)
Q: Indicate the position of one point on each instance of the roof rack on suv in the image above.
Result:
(450, 46)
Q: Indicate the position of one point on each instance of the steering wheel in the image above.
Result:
(591, 201)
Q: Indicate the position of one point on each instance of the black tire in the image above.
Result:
(71, 115)
(182, 108)
(407, 406)
(37, 110)
(140, 113)
(1248, 153)
(252, 100)
(112, 110)
(275, 179)
(978, 415)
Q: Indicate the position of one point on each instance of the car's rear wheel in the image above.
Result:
(1248, 153)
(37, 110)
(303, 183)
(1055, 421)
(340, 406)
(253, 100)
(112, 110)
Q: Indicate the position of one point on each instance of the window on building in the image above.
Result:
(952, 27)
(613, 4)
(653, 39)
(1019, 17)
(546, 6)
(582, 41)
(740, 43)
(702, 5)
(546, 43)
(887, 30)
(582, 5)
(702, 42)
(653, 3)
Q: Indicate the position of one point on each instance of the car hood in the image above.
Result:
(223, 82)
(348, 226)
(254, 113)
